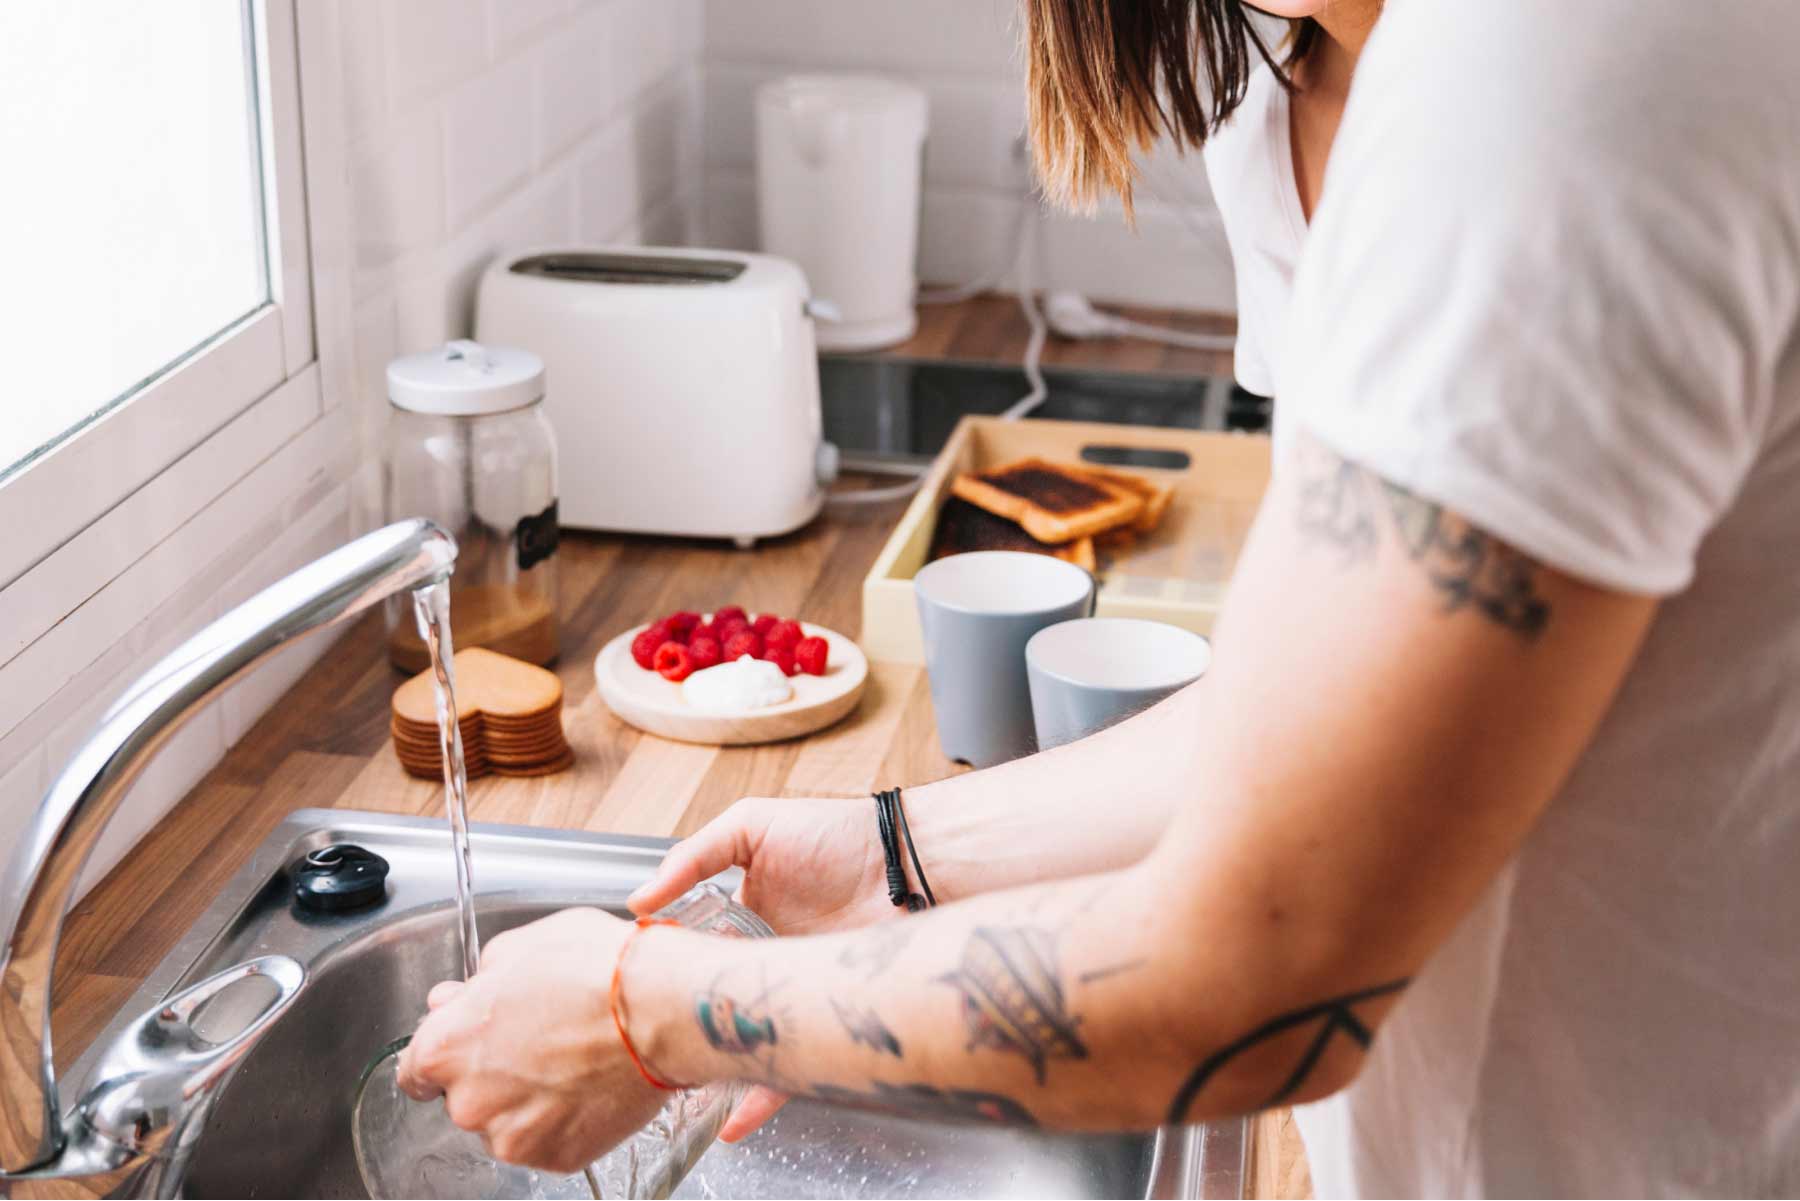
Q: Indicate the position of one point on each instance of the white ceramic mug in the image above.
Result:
(1086, 675)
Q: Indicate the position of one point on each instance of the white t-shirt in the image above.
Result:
(1250, 166)
(1553, 283)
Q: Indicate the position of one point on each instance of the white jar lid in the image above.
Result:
(466, 379)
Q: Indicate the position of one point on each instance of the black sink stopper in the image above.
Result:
(339, 877)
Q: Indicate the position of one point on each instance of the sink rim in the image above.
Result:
(1209, 1160)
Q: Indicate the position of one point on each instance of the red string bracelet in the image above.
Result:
(616, 995)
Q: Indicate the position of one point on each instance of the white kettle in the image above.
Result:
(838, 166)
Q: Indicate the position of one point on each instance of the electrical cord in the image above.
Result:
(1034, 346)
(1068, 313)
(1073, 316)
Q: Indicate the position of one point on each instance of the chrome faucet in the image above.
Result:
(153, 1084)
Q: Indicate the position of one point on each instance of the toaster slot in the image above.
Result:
(592, 268)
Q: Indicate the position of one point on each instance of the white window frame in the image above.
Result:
(96, 503)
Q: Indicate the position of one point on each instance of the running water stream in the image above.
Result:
(653, 1161)
(431, 608)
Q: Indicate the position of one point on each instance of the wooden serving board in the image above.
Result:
(652, 704)
(1176, 574)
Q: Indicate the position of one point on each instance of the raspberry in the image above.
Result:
(643, 647)
(730, 612)
(810, 655)
(705, 629)
(704, 652)
(681, 625)
(783, 657)
(742, 643)
(673, 662)
(785, 633)
(723, 630)
(764, 623)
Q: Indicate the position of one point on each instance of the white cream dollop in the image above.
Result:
(736, 687)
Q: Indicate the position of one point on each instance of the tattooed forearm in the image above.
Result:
(1331, 1017)
(1013, 996)
(927, 1101)
(866, 1028)
(1110, 970)
(876, 949)
(733, 1026)
(1347, 507)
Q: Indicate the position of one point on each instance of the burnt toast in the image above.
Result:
(1156, 496)
(1054, 503)
(963, 527)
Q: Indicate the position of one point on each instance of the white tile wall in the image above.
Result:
(563, 118)
(468, 126)
(964, 53)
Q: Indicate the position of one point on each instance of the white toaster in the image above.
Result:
(683, 385)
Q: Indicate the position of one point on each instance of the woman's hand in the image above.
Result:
(526, 1055)
(810, 867)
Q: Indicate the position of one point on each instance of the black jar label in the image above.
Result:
(536, 538)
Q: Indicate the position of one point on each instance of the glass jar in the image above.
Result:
(469, 446)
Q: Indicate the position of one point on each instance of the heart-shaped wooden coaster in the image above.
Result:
(523, 703)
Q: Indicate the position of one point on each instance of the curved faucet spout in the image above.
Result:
(45, 866)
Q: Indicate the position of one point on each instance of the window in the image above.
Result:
(155, 282)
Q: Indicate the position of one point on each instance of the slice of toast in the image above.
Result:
(1054, 503)
(1156, 496)
(962, 527)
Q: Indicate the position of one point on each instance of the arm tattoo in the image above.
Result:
(1334, 1015)
(875, 950)
(1108, 972)
(1012, 995)
(930, 1102)
(1342, 505)
(736, 1027)
(867, 1029)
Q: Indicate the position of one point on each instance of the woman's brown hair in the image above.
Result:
(1105, 76)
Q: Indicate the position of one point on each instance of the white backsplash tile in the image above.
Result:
(576, 85)
(934, 35)
(517, 23)
(432, 45)
(362, 31)
(487, 139)
(397, 189)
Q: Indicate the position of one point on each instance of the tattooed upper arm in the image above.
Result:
(1323, 1022)
(1356, 511)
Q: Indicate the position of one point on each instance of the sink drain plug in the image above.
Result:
(338, 877)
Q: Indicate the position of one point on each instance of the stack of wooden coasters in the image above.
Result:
(509, 712)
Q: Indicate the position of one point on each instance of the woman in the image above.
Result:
(1482, 824)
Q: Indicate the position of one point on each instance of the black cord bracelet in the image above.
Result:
(890, 822)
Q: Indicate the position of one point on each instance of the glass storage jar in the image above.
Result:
(469, 446)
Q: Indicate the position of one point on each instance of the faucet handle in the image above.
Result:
(162, 1071)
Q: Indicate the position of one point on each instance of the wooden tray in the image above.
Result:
(1176, 574)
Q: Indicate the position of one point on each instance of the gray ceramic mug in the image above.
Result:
(1087, 675)
(978, 610)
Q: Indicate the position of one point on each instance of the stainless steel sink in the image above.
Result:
(282, 1126)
